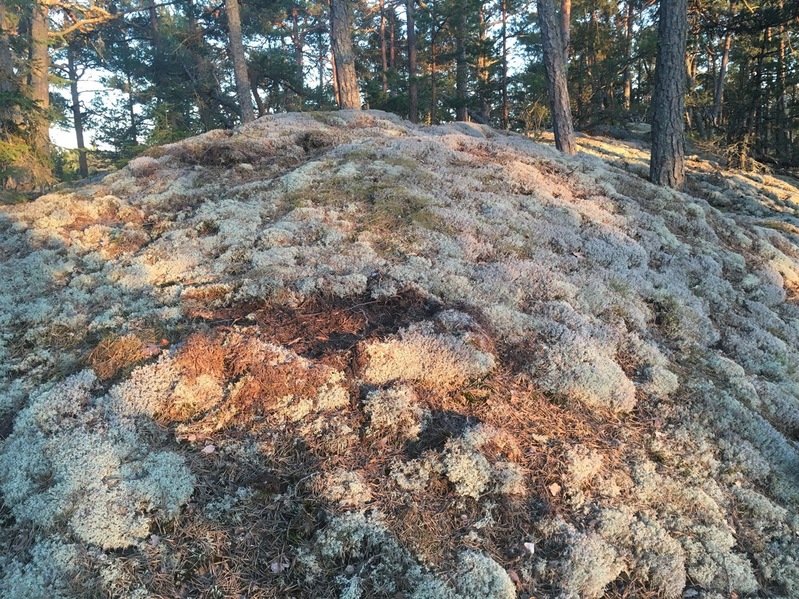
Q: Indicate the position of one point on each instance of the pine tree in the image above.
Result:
(552, 38)
(239, 61)
(38, 84)
(668, 101)
(413, 84)
(341, 31)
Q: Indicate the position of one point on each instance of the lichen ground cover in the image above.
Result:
(339, 355)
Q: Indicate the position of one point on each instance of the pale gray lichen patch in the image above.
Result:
(394, 412)
(343, 487)
(75, 459)
(591, 566)
(672, 313)
(423, 355)
(647, 549)
(381, 567)
(47, 572)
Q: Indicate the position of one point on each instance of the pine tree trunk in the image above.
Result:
(159, 70)
(581, 69)
(336, 93)
(555, 66)
(9, 112)
(259, 103)
(392, 38)
(134, 130)
(667, 166)
(565, 27)
(750, 137)
(413, 85)
(320, 65)
(483, 62)
(40, 57)
(195, 43)
(6, 57)
(692, 117)
(718, 97)
(7, 76)
(343, 54)
(592, 61)
(505, 106)
(433, 117)
(628, 42)
(239, 61)
(298, 41)
(39, 87)
(77, 117)
(460, 68)
(782, 117)
(740, 131)
(383, 48)
(758, 132)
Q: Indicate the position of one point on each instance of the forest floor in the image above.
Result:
(339, 355)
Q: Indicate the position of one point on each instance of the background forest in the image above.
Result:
(166, 71)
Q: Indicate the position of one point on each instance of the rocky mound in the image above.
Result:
(337, 355)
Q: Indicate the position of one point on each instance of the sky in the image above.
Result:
(88, 87)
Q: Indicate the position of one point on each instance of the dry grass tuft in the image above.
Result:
(126, 242)
(256, 375)
(199, 300)
(117, 354)
(263, 384)
(202, 353)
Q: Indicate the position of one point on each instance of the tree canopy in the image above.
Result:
(174, 68)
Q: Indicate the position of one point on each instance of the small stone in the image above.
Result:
(530, 547)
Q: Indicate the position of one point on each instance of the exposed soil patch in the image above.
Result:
(321, 327)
